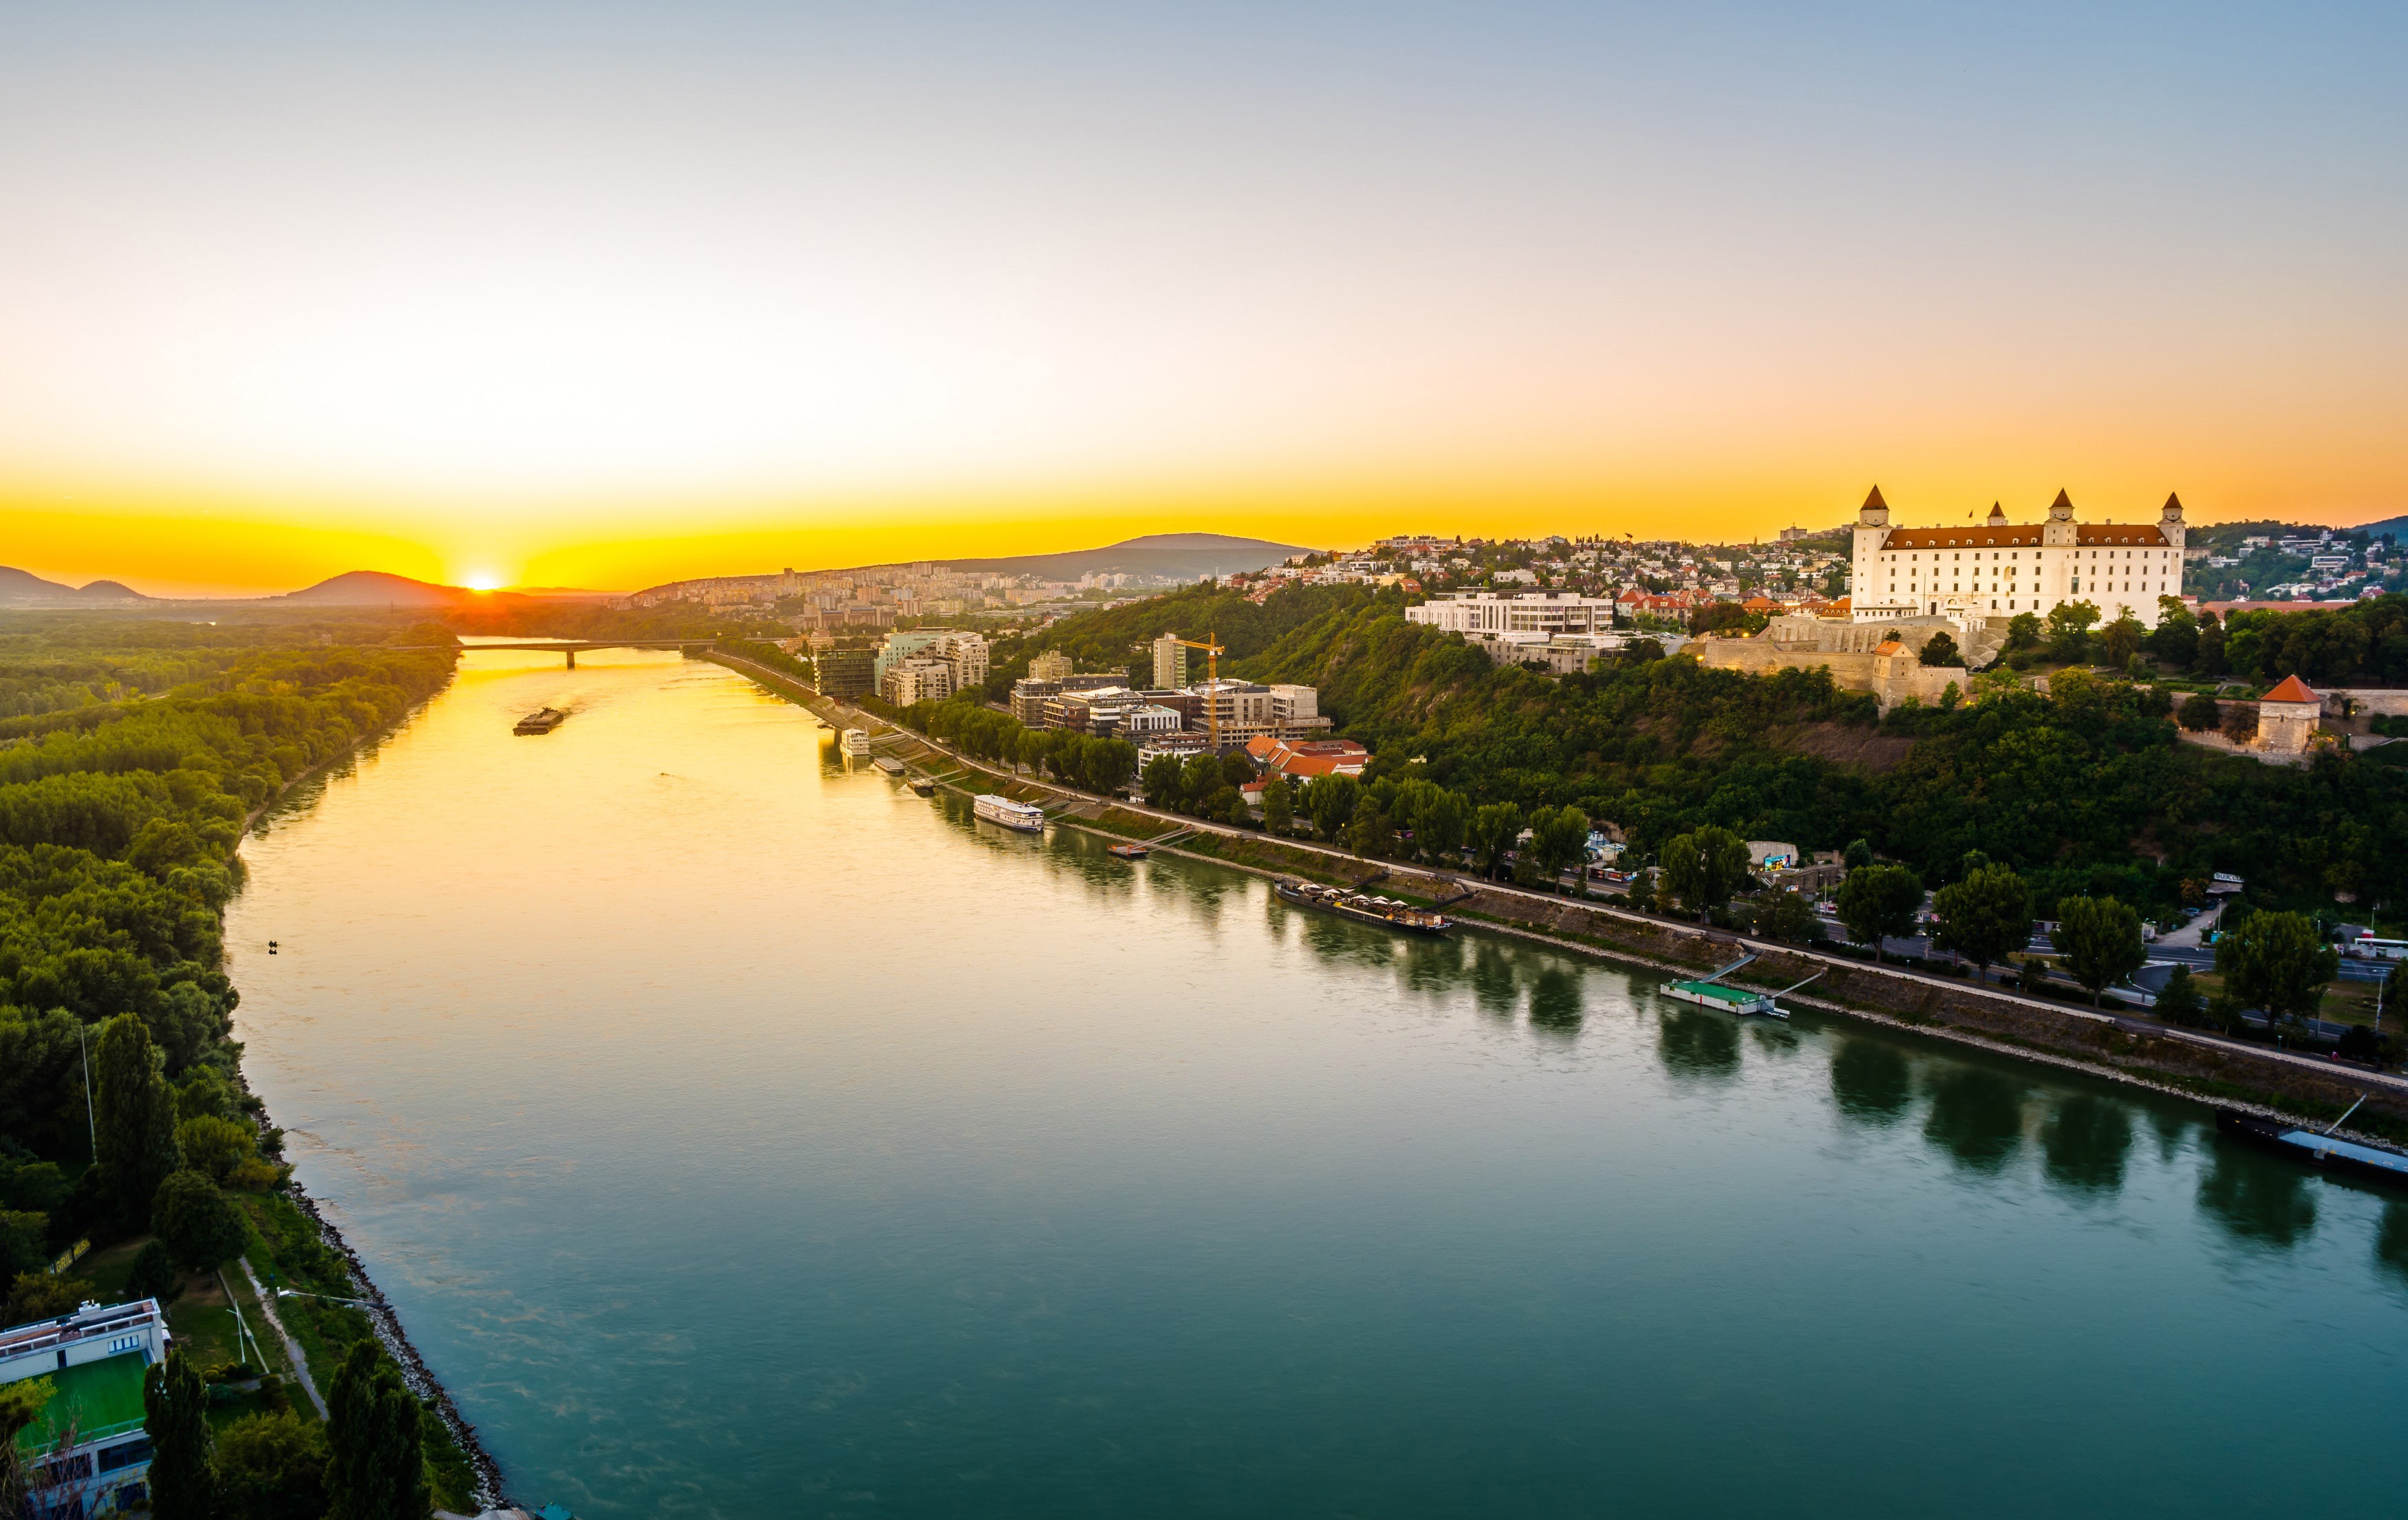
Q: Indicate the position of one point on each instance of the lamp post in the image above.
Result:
(91, 1123)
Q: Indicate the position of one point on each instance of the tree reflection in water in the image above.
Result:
(1493, 984)
(2259, 1199)
(1697, 1042)
(1977, 1117)
(2084, 1143)
(2392, 1238)
(1870, 1081)
(1555, 999)
(1433, 966)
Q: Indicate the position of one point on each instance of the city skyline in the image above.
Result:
(618, 297)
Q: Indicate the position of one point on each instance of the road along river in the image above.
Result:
(738, 1134)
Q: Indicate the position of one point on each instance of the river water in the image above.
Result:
(741, 1135)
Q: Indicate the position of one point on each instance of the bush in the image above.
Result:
(200, 1225)
(154, 1275)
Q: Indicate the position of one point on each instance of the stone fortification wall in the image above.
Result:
(1891, 677)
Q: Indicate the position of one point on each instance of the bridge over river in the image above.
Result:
(570, 647)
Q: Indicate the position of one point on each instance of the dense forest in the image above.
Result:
(2086, 791)
(120, 815)
(1117, 637)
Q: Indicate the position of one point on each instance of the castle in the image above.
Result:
(2001, 569)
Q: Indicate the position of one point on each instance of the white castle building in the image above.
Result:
(2003, 569)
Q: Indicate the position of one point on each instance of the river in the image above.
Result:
(741, 1135)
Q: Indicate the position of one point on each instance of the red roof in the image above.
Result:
(2292, 690)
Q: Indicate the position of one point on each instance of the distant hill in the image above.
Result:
(375, 588)
(2396, 526)
(20, 589)
(1177, 556)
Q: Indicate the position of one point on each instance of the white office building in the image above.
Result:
(1542, 612)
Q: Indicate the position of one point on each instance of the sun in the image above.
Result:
(482, 581)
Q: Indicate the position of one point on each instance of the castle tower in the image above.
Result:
(1998, 516)
(1873, 529)
(2169, 522)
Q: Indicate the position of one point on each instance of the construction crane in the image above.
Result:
(1211, 680)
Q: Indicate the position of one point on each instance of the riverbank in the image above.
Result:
(383, 1322)
(2138, 1052)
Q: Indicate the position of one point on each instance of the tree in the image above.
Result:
(1437, 828)
(376, 1444)
(1940, 648)
(1703, 867)
(136, 1114)
(2120, 640)
(1371, 833)
(2099, 939)
(1162, 781)
(175, 1410)
(1859, 852)
(2178, 1001)
(1878, 902)
(2395, 986)
(2198, 712)
(2022, 631)
(272, 1466)
(1330, 800)
(200, 1225)
(1494, 829)
(2278, 962)
(1559, 839)
(2241, 721)
(1198, 779)
(1789, 919)
(153, 1274)
(1985, 916)
(1279, 804)
(214, 1145)
(2069, 625)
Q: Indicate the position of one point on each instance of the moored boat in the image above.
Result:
(1385, 912)
(856, 741)
(541, 722)
(1129, 851)
(2316, 1150)
(888, 764)
(1010, 814)
(1709, 991)
(924, 786)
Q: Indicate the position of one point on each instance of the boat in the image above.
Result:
(1385, 912)
(924, 786)
(888, 764)
(2316, 1150)
(856, 741)
(1709, 992)
(542, 721)
(1010, 814)
(1129, 851)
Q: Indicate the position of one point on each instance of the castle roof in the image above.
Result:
(2062, 500)
(2092, 534)
(1874, 500)
(2173, 503)
(2291, 690)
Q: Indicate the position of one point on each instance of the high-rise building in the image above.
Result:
(1170, 663)
(1051, 666)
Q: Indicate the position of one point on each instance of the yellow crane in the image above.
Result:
(1211, 678)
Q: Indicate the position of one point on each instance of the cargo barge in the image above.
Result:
(888, 764)
(1010, 814)
(2324, 1151)
(1385, 913)
(542, 721)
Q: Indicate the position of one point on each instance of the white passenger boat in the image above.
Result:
(1010, 814)
(856, 741)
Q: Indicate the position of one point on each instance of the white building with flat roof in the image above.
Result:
(1542, 612)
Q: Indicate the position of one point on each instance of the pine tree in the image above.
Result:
(376, 1467)
(174, 1406)
(136, 1114)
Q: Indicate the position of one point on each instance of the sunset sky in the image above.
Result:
(607, 294)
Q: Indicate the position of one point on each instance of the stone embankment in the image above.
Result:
(2141, 1051)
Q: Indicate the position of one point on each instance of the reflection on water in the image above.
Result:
(1871, 1080)
(742, 1135)
(1555, 999)
(2085, 1141)
(2259, 1199)
(1696, 1043)
(1977, 1117)
(2391, 1240)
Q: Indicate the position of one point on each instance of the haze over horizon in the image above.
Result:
(604, 297)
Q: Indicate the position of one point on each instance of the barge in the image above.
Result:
(1010, 814)
(2349, 1156)
(541, 722)
(923, 787)
(1129, 851)
(1385, 913)
(888, 764)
